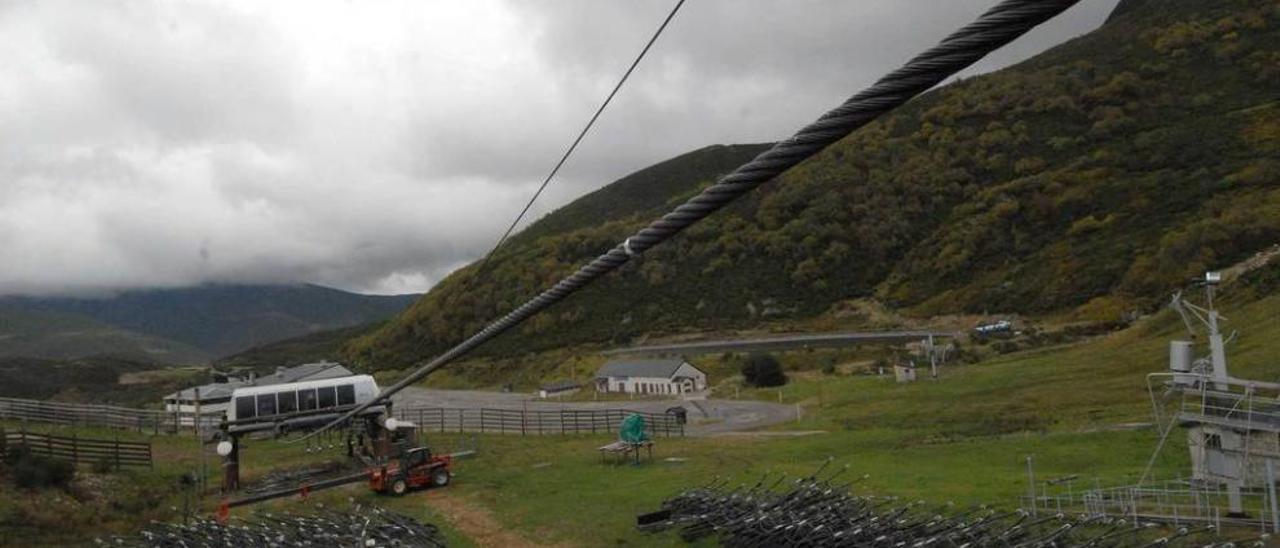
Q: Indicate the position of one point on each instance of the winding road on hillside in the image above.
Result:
(706, 417)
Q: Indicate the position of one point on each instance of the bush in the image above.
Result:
(763, 370)
(32, 471)
(104, 465)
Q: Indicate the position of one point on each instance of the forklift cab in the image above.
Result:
(415, 458)
(415, 468)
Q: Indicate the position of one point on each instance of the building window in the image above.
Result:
(1213, 441)
(245, 408)
(266, 404)
(287, 401)
(307, 399)
(347, 394)
(328, 397)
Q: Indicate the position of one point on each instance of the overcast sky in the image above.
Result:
(376, 146)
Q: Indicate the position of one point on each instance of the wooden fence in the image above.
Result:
(79, 450)
(534, 422)
(109, 416)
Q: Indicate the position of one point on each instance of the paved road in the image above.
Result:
(782, 342)
(706, 417)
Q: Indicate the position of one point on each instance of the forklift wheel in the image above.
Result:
(399, 487)
(440, 477)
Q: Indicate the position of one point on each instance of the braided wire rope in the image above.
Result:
(1000, 25)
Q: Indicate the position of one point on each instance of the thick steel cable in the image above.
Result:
(995, 28)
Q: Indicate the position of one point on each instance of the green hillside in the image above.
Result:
(54, 335)
(98, 379)
(214, 320)
(309, 348)
(1089, 180)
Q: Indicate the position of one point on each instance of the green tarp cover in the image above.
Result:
(632, 429)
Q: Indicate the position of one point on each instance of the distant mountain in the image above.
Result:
(309, 348)
(214, 320)
(1087, 181)
(58, 335)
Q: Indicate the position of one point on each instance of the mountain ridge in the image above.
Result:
(206, 321)
(1085, 181)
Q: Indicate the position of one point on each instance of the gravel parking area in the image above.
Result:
(706, 417)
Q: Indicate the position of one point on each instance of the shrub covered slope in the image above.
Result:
(1090, 179)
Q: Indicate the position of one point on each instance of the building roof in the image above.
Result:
(641, 368)
(305, 372)
(557, 386)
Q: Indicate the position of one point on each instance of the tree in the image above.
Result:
(763, 370)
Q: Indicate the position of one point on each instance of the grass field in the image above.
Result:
(963, 439)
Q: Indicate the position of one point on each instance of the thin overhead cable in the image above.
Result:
(573, 146)
(995, 28)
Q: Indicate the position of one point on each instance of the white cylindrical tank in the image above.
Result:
(1180, 359)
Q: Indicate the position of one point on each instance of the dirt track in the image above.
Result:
(706, 417)
(477, 523)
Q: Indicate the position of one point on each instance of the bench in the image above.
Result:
(620, 450)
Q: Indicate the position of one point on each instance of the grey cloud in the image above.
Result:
(378, 146)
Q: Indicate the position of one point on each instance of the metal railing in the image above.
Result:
(534, 422)
(1178, 502)
(105, 416)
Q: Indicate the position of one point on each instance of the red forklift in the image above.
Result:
(413, 469)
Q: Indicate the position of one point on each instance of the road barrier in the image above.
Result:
(108, 416)
(79, 450)
(535, 422)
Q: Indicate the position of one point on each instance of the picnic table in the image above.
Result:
(620, 450)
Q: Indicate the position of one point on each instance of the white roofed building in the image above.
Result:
(670, 376)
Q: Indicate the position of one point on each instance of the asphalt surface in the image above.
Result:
(783, 342)
(706, 417)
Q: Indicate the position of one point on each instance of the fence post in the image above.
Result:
(75, 448)
(1271, 495)
(481, 420)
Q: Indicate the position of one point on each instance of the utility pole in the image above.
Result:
(199, 440)
(1031, 485)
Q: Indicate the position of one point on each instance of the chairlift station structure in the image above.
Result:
(1232, 424)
